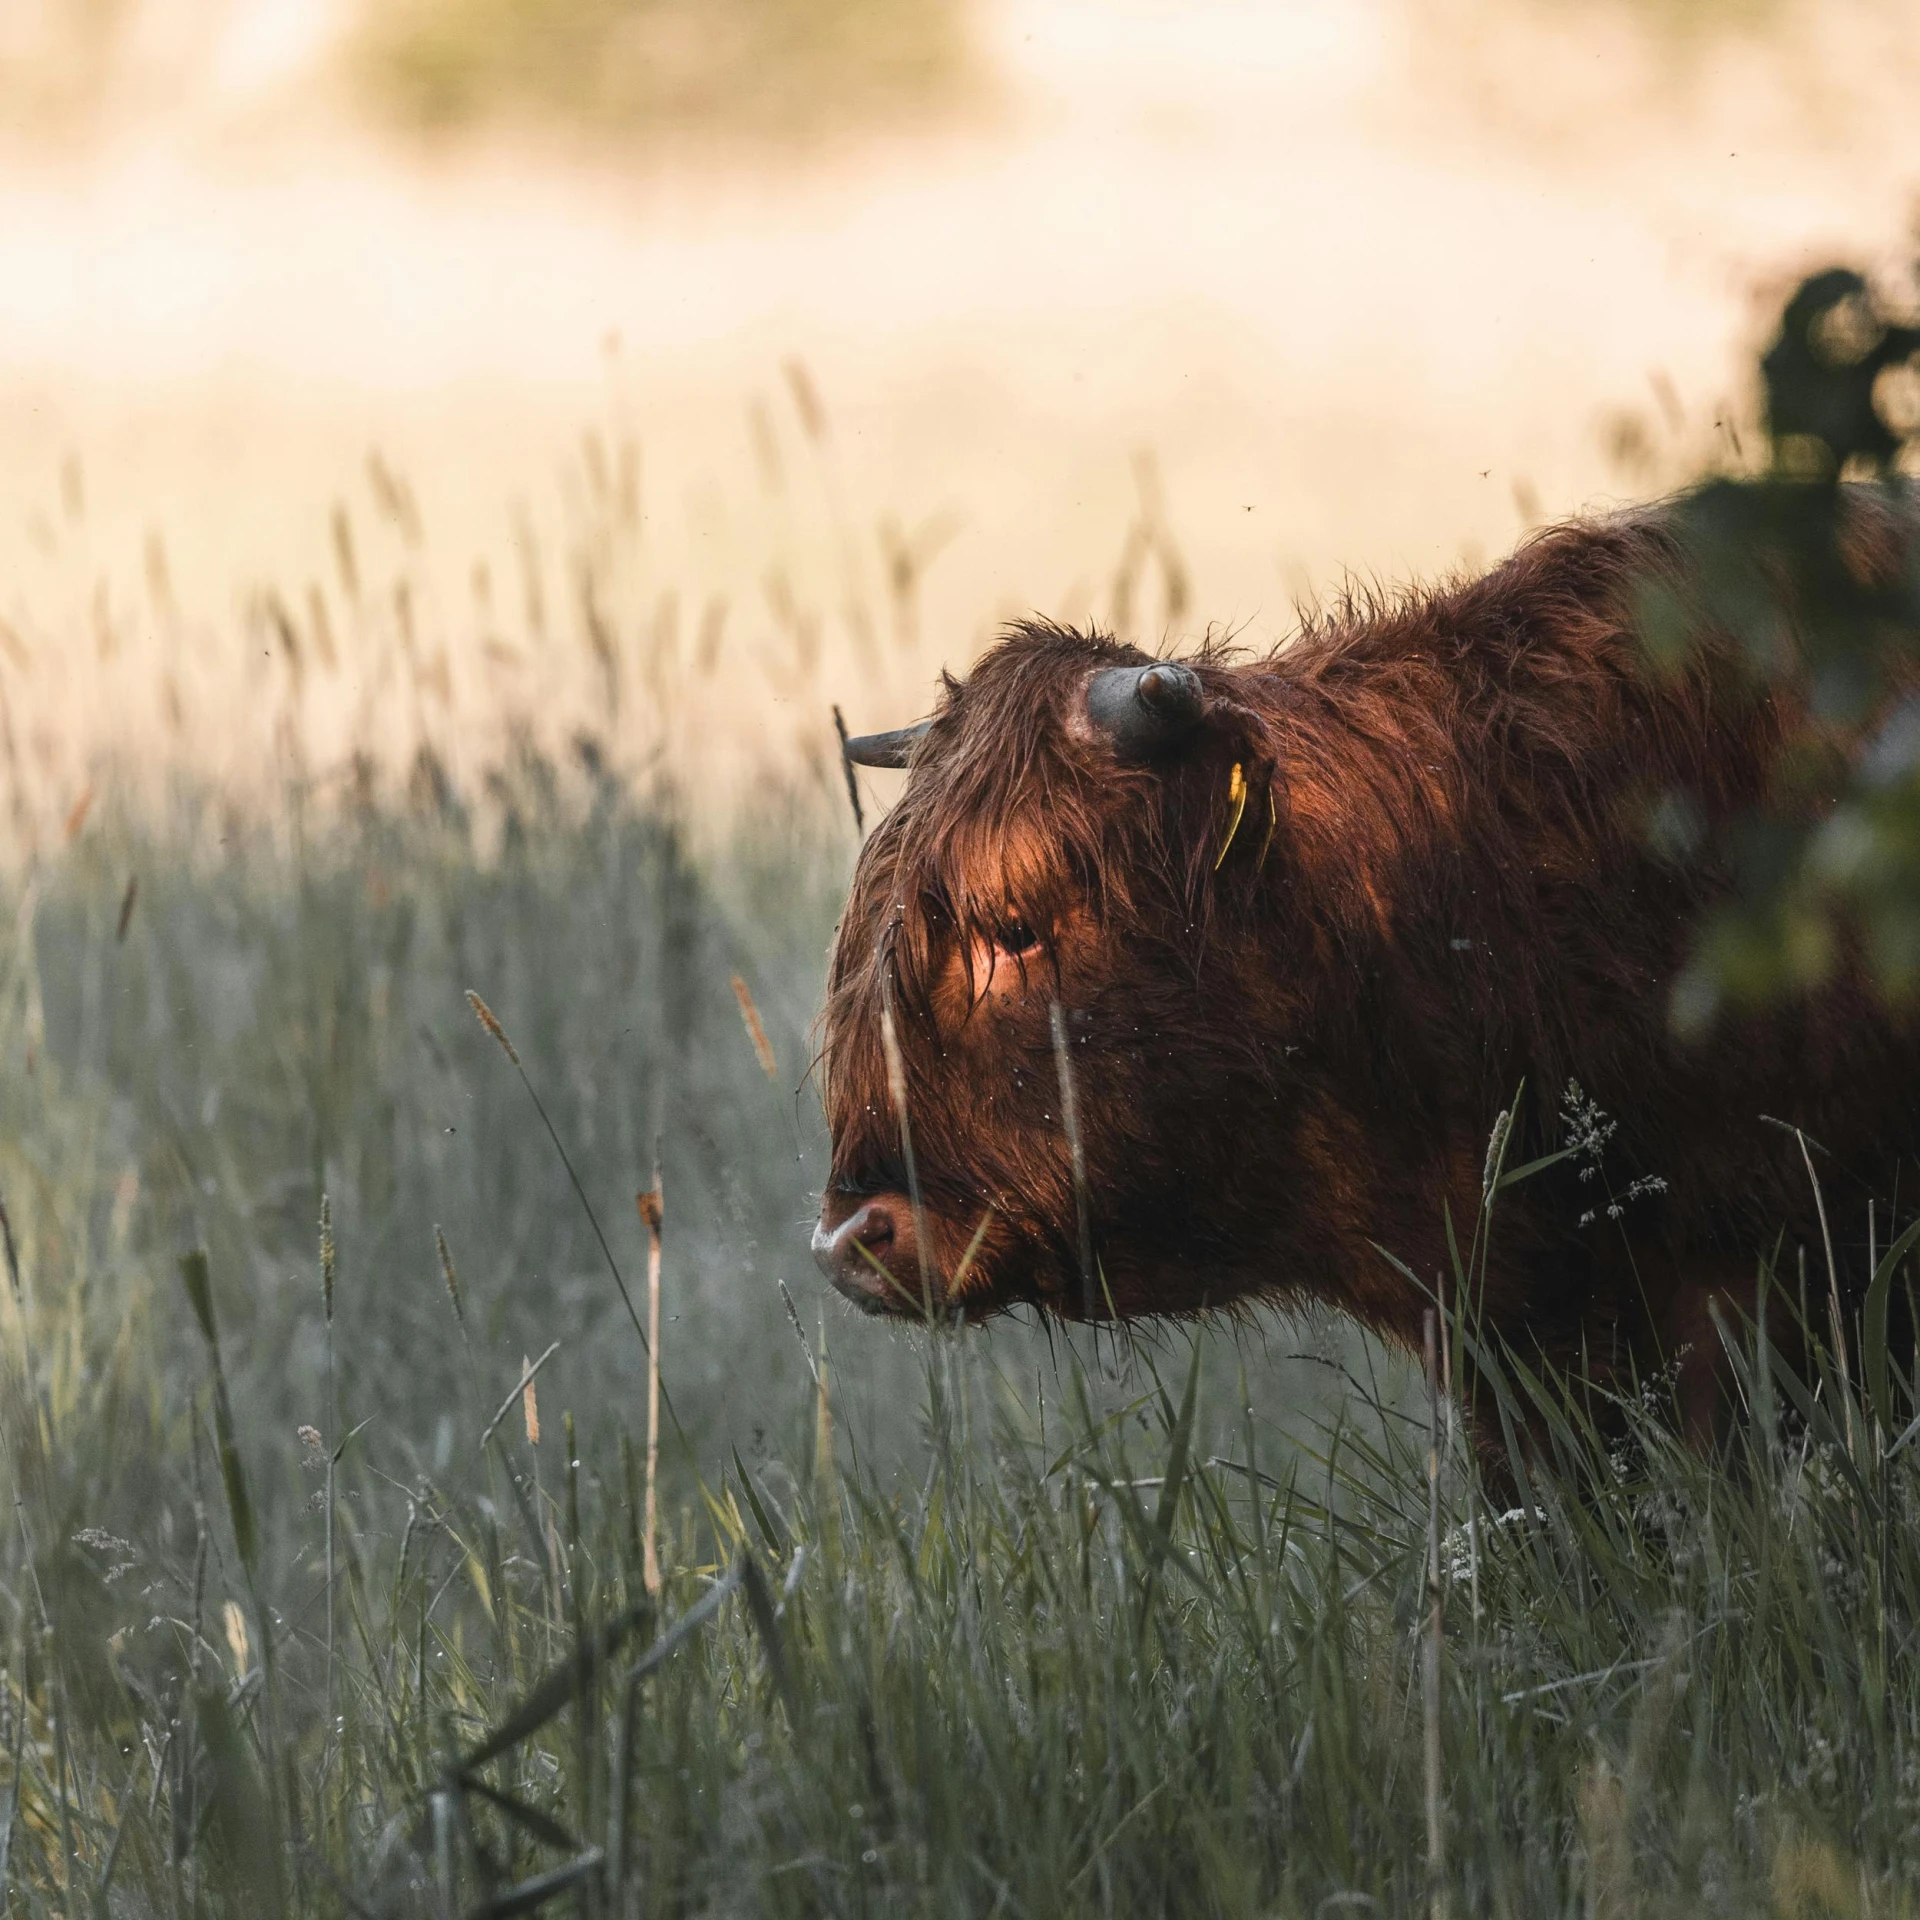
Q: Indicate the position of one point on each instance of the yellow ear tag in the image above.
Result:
(1273, 820)
(1237, 799)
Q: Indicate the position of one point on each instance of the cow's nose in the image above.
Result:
(868, 1253)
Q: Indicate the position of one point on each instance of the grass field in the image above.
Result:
(311, 1602)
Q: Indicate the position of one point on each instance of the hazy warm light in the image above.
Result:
(1366, 281)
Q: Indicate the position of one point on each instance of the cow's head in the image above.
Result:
(1070, 876)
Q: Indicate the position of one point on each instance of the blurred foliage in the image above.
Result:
(1677, 28)
(1809, 573)
(776, 68)
(57, 58)
(1680, 23)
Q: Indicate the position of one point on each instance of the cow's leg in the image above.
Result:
(1672, 1343)
(1689, 1343)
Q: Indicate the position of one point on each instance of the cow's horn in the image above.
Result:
(1145, 710)
(886, 749)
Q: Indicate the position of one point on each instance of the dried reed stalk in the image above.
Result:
(1070, 1121)
(1430, 1661)
(327, 1278)
(853, 781)
(826, 1480)
(652, 1213)
(897, 1090)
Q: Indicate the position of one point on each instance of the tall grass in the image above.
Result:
(1083, 1665)
(276, 1027)
(952, 1623)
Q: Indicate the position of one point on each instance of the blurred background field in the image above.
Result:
(456, 454)
(1373, 287)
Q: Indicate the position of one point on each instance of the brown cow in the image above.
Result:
(1301, 926)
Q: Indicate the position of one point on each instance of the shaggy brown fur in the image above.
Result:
(1441, 888)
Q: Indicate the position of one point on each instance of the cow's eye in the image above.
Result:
(1015, 937)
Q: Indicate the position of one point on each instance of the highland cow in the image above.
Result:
(1171, 985)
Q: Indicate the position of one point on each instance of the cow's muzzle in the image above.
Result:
(866, 1247)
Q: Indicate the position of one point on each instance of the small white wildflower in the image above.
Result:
(119, 1554)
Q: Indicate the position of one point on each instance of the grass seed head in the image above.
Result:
(326, 1256)
(484, 1014)
(238, 1643)
(530, 1403)
(750, 1015)
(344, 555)
(448, 1275)
(1496, 1151)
